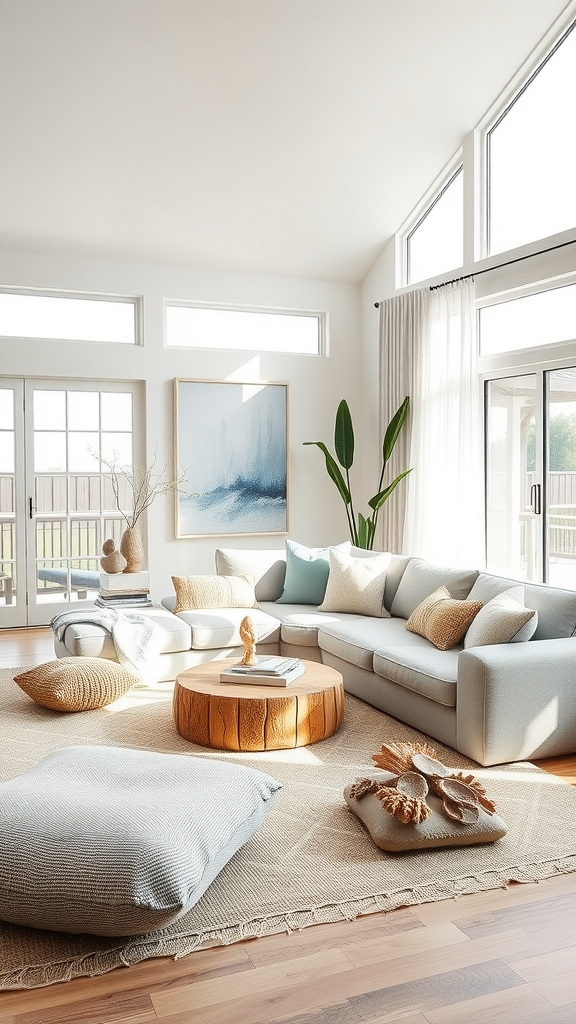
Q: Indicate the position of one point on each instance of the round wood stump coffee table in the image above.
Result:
(243, 716)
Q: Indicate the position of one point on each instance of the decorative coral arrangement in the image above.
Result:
(417, 772)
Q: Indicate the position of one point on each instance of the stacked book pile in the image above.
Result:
(266, 671)
(124, 589)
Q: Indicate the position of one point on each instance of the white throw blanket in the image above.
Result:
(137, 639)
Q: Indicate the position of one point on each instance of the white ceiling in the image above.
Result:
(270, 136)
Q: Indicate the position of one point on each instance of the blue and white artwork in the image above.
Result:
(232, 450)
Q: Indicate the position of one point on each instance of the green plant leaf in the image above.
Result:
(378, 500)
(363, 531)
(344, 435)
(333, 471)
(393, 429)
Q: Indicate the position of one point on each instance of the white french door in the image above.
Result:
(531, 476)
(56, 501)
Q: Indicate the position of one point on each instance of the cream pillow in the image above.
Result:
(443, 619)
(503, 620)
(213, 592)
(356, 585)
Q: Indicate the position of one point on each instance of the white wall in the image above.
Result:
(316, 384)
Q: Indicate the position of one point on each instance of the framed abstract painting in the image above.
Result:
(232, 448)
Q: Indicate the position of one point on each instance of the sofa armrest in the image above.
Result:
(517, 701)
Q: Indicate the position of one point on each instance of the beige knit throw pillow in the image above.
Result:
(213, 592)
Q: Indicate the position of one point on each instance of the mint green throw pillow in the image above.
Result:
(306, 574)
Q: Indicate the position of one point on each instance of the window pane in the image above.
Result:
(83, 412)
(116, 411)
(117, 448)
(202, 327)
(66, 319)
(436, 243)
(81, 446)
(528, 322)
(6, 451)
(532, 157)
(49, 410)
(6, 409)
(49, 452)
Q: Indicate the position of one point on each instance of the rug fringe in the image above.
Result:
(157, 944)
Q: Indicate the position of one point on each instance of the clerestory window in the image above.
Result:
(435, 243)
(531, 155)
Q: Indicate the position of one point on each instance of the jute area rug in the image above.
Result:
(311, 861)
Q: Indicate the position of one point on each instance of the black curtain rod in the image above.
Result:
(498, 266)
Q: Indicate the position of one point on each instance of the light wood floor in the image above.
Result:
(506, 956)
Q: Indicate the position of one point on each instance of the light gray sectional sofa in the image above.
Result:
(494, 703)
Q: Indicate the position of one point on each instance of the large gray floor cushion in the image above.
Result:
(114, 841)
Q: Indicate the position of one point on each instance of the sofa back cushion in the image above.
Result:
(268, 569)
(556, 608)
(421, 578)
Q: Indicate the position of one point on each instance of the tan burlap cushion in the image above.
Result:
(76, 684)
(213, 592)
(394, 836)
(442, 619)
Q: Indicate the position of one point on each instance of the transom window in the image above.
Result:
(531, 153)
(200, 326)
(542, 318)
(62, 317)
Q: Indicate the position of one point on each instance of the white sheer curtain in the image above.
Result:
(444, 495)
(402, 321)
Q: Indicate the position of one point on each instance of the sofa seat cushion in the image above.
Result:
(114, 841)
(301, 627)
(421, 578)
(89, 640)
(355, 641)
(212, 628)
(421, 668)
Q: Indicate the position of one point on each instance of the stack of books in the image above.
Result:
(124, 589)
(266, 671)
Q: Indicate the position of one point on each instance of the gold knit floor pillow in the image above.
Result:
(76, 684)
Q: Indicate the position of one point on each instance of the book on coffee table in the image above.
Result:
(254, 674)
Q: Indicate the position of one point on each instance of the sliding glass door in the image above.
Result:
(531, 476)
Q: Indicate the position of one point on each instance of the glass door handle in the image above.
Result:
(31, 508)
(536, 499)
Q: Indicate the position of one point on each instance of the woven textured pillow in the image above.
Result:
(213, 592)
(356, 585)
(76, 684)
(503, 620)
(394, 836)
(113, 841)
(442, 619)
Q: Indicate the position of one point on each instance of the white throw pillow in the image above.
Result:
(503, 620)
(356, 585)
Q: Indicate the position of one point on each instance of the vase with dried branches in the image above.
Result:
(143, 485)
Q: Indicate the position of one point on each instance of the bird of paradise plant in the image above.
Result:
(362, 528)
